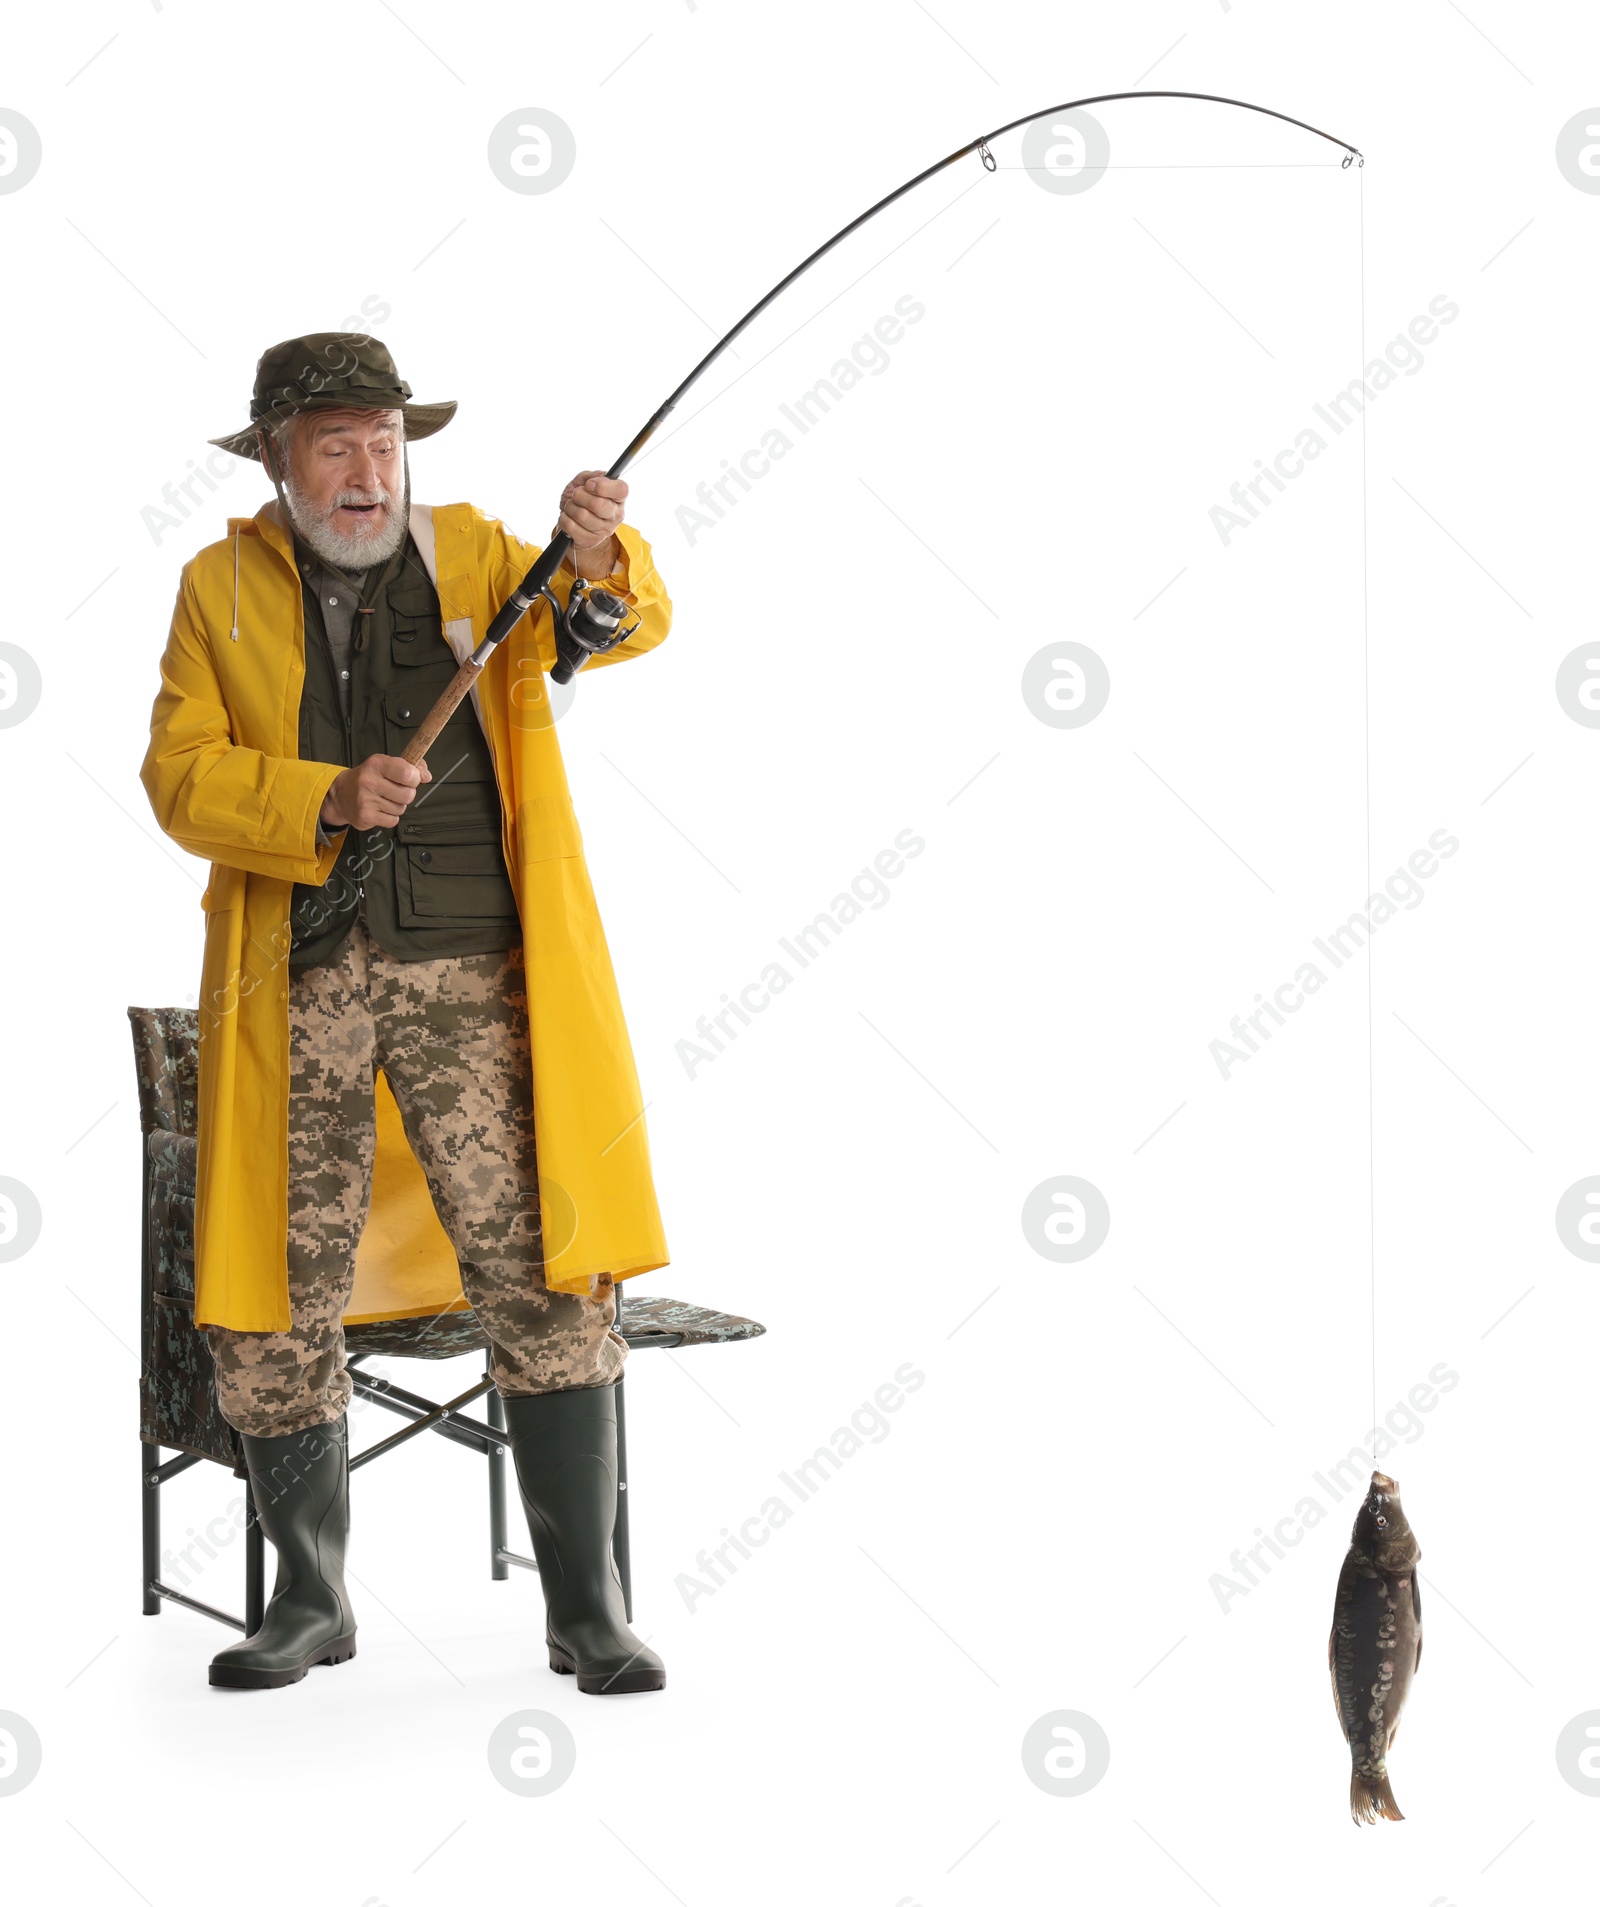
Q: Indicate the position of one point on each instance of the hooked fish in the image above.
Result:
(1375, 1644)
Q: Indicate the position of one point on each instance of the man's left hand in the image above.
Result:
(591, 509)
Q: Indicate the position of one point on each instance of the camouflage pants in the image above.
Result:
(452, 1038)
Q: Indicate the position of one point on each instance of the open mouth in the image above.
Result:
(358, 510)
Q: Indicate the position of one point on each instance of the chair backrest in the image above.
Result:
(166, 1053)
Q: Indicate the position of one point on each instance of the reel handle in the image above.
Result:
(591, 625)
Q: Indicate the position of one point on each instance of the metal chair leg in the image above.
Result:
(498, 1570)
(255, 1571)
(150, 1523)
(619, 1539)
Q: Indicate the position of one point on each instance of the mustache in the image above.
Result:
(368, 497)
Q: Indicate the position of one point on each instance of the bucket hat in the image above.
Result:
(325, 371)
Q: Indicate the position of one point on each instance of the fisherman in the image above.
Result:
(411, 1040)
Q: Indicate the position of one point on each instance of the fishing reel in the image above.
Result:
(590, 625)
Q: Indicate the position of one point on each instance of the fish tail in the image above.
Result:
(1372, 1799)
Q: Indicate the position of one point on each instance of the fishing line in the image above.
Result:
(1375, 1644)
(1366, 768)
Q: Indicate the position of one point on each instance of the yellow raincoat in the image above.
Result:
(225, 780)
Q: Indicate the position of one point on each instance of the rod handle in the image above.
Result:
(459, 689)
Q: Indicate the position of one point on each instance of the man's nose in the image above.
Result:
(364, 473)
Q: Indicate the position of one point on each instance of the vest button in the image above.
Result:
(404, 714)
(425, 857)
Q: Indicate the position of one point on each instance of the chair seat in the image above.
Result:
(649, 1320)
(648, 1323)
(448, 1334)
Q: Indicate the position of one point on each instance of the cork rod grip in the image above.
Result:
(458, 691)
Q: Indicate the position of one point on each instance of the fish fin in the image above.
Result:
(1373, 1800)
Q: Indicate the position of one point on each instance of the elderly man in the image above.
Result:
(413, 1056)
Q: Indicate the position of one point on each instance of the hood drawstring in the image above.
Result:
(234, 631)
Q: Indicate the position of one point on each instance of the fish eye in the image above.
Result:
(1382, 1522)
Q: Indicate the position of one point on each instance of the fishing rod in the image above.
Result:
(592, 621)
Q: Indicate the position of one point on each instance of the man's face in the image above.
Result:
(346, 484)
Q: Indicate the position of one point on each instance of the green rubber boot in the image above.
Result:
(301, 1485)
(565, 1444)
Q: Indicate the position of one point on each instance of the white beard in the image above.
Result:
(349, 552)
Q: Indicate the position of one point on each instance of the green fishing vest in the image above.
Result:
(437, 884)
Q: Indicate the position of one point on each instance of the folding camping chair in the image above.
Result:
(177, 1382)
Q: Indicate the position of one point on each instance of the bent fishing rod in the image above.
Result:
(593, 620)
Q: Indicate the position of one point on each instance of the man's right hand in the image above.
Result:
(374, 794)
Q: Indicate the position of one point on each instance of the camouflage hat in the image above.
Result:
(328, 371)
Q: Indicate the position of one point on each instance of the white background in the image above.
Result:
(1036, 998)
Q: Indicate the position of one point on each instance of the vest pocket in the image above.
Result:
(451, 878)
(461, 753)
(415, 632)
